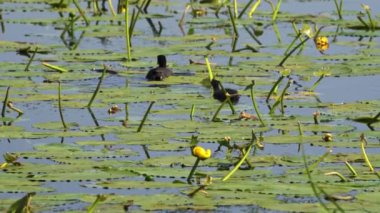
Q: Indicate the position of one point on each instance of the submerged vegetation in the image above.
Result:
(284, 146)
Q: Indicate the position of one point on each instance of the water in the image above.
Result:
(331, 90)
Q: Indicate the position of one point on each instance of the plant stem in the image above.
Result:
(111, 7)
(274, 87)
(339, 8)
(81, 12)
(255, 104)
(193, 170)
(276, 10)
(97, 87)
(366, 157)
(192, 111)
(60, 106)
(352, 170)
(342, 178)
(239, 163)
(228, 98)
(127, 33)
(371, 23)
(283, 95)
(54, 67)
(235, 9)
(293, 42)
(218, 110)
(209, 68)
(280, 100)
(5, 102)
(245, 9)
(300, 130)
(236, 33)
(316, 83)
(145, 116)
(292, 51)
(253, 9)
(31, 59)
(312, 184)
(320, 159)
(363, 22)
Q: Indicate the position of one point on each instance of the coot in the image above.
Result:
(161, 72)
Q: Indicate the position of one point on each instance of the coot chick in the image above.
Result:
(220, 95)
(161, 72)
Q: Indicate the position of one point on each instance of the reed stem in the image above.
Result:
(245, 9)
(111, 8)
(97, 87)
(192, 111)
(255, 104)
(293, 50)
(127, 33)
(5, 102)
(237, 166)
(236, 33)
(193, 170)
(352, 170)
(145, 116)
(60, 106)
(81, 12)
(218, 110)
(31, 59)
(316, 83)
(274, 87)
(276, 10)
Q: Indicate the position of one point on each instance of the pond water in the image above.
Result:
(101, 153)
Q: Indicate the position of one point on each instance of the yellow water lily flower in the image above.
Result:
(201, 153)
(322, 43)
(328, 137)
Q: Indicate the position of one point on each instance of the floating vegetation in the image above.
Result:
(304, 135)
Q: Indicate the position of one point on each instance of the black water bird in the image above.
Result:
(220, 95)
(161, 72)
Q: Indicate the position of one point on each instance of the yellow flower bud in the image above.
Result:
(201, 153)
(328, 137)
(322, 43)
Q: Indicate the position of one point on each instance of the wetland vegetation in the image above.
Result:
(82, 129)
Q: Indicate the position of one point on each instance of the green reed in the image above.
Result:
(31, 59)
(145, 116)
(60, 106)
(97, 87)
